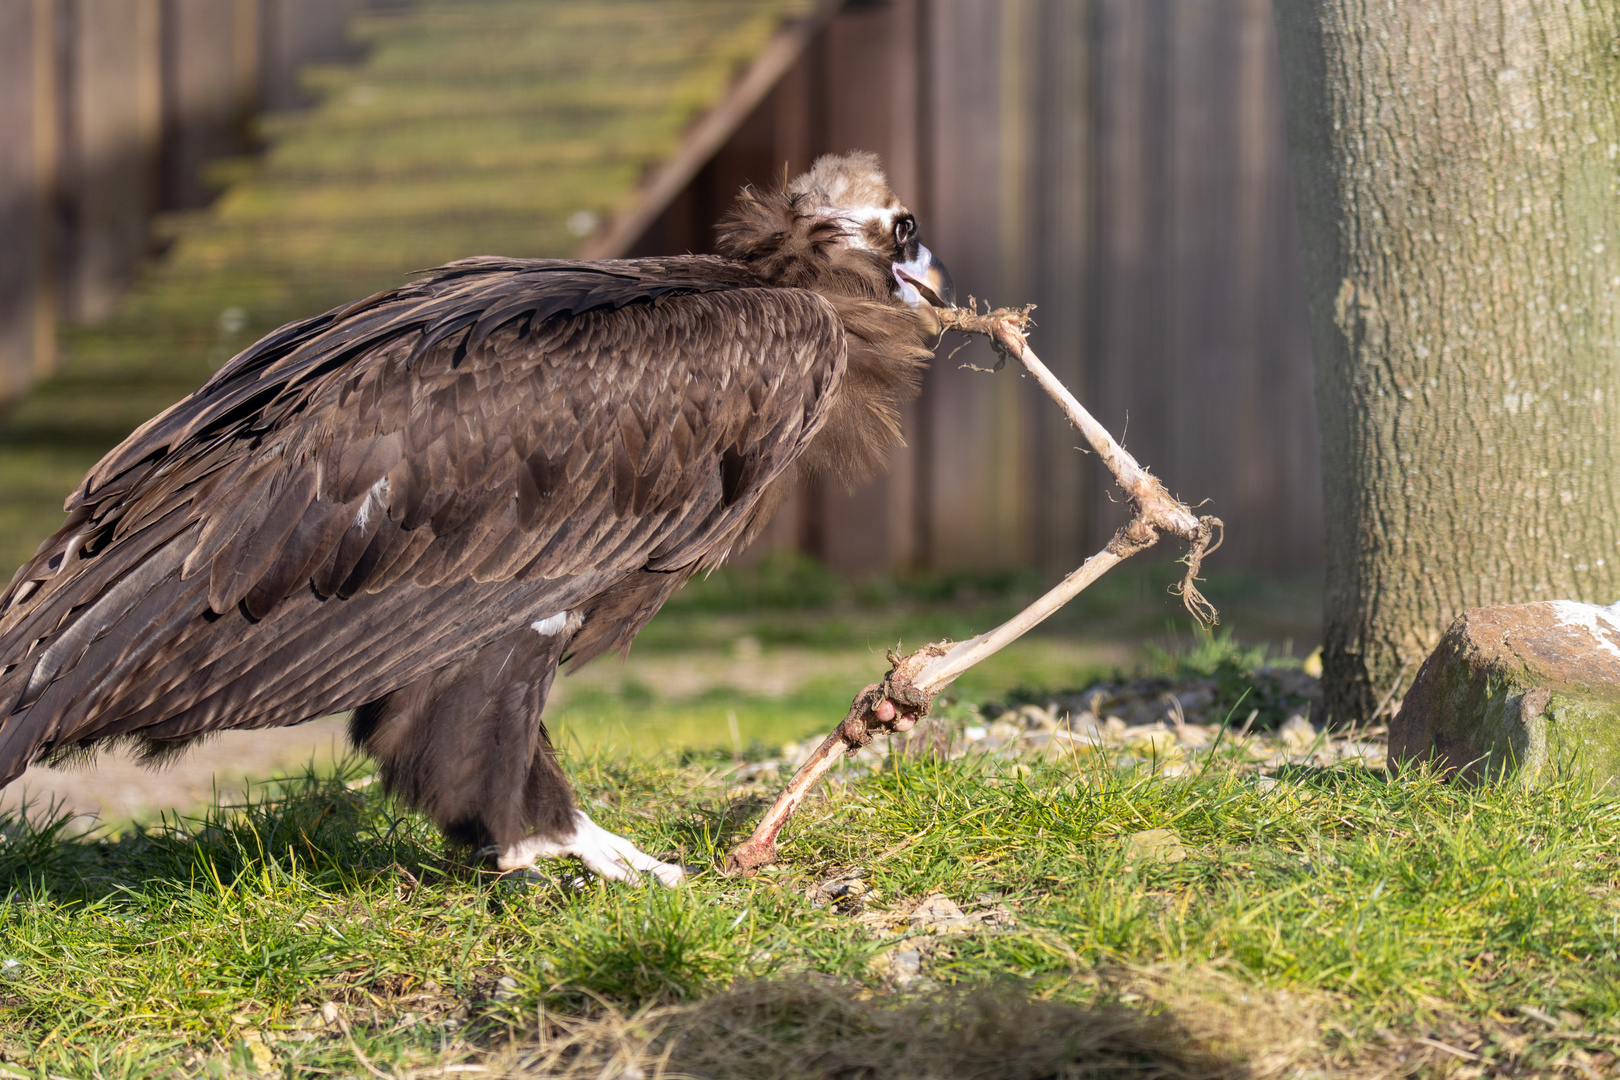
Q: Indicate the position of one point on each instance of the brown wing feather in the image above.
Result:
(366, 496)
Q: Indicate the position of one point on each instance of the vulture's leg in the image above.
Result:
(466, 746)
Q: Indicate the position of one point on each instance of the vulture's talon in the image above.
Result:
(670, 875)
(608, 856)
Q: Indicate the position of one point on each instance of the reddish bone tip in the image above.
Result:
(749, 856)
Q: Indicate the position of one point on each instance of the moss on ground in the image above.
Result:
(470, 127)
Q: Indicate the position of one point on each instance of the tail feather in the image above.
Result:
(60, 656)
(116, 669)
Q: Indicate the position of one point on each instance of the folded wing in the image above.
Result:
(368, 495)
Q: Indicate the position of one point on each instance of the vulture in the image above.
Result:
(414, 507)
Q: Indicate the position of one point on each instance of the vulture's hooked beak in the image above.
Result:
(924, 279)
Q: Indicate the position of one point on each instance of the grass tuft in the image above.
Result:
(654, 947)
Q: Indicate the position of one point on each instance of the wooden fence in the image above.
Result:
(109, 111)
(1118, 162)
(1122, 164)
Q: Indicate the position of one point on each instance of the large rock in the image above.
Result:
(1522, 689)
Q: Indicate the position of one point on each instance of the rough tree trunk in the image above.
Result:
(1456, 167)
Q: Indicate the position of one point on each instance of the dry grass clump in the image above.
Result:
(1162, 1022)
(814, 1029)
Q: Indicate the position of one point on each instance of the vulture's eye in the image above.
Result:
(904, 230)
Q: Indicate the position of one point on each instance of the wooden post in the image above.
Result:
(111, 61)
(202, 96)
(27, 314)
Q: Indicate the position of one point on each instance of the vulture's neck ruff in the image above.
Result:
(838, 231)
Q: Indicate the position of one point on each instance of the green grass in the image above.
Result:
(630, 717)
(1388, 911)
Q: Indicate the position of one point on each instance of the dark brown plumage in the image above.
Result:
(415, 506)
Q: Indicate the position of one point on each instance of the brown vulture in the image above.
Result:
(416, 506)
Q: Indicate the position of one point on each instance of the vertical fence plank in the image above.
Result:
(902, 155)
(1208, 434)
(20, 211)
(149, 99)
(868, 529)
(46, 155)
(246, 52)
(1294, 536)
(1012, 444)
(202, 118)
(1059, 237)
(959, 408)
(1127, 367)
(293, 33)
(106, 153)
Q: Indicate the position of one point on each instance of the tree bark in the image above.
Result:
(1456, 168)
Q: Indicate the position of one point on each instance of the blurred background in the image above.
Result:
(179, 177)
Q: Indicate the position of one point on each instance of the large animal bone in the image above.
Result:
(908, 690)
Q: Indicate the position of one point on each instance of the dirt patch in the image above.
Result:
(113, 788)
(783, 670)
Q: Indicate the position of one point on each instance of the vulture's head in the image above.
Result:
(838, 227)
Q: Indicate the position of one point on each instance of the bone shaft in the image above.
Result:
(938, 674)
(810, 773)
(1154, 509)
(1125, 468)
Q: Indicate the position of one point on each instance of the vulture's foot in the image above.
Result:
(603, 853)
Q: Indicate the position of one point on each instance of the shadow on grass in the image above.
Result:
(314, 829)
(329, 832)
